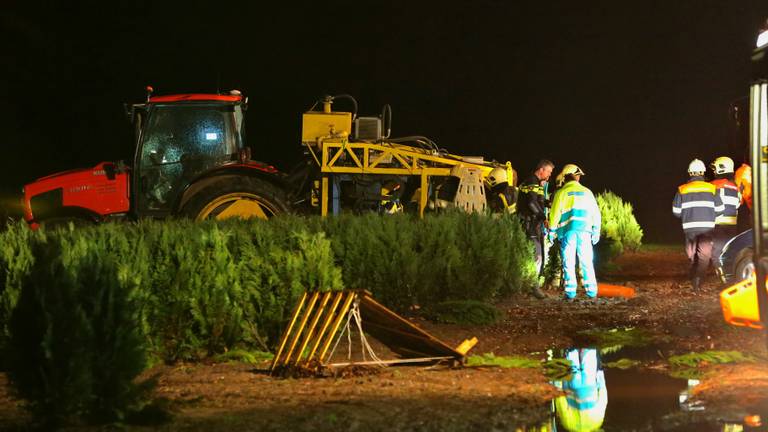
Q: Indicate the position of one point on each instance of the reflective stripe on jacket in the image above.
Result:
(574, 209)
(731, 198)
(697, 204)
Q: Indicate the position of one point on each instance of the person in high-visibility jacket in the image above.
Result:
(697, 204)
(725, 223)
(575, 219)
(743, 180)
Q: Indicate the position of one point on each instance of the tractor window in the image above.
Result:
(179, 143)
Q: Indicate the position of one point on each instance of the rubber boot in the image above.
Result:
(538, 293)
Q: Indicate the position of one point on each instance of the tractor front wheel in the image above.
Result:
(241, 197)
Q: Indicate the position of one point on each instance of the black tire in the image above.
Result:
(214, 201)
(744, 265)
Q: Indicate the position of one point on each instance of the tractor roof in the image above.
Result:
(195, 97)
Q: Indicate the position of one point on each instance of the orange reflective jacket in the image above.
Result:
(743, 180)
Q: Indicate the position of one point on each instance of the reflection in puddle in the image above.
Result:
(640, 399)
(583, 406)
(686, 404)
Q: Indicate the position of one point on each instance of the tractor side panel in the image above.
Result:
(89, 189)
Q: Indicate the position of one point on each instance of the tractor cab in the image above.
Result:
(178, 138)
(190, 160)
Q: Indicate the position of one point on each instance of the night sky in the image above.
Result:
(630, 91)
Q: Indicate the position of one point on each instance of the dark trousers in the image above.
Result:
(538, 252)
(699, 250)
(720, 237)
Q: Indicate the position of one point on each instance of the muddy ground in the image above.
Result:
(236, 396)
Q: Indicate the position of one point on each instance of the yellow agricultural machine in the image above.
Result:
(355, 165)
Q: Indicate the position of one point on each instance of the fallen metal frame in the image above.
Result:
(315, 324)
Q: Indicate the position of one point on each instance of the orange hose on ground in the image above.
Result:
(608, 290)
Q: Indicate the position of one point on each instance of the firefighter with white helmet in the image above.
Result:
(503, 194)
(575, 220)
(697, 204)
(725, 224)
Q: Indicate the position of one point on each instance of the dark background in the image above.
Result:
(630, 91)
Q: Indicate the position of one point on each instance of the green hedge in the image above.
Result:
(75, 346)
(204, 288)
(619, 232)
(96, 304)
(406, 261)
(83, 311)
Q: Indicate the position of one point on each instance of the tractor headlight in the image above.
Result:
(762, 39)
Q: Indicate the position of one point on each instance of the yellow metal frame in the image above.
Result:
(368, 158)
(315, 324)
(311, 308)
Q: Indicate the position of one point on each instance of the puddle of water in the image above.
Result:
(636, 399)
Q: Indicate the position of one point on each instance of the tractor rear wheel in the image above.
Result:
(242, 197)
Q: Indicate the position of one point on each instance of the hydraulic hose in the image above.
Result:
(386, 118)
(354, 103)
(421, 140)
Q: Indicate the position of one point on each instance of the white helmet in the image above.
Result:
(722, 165)
(497, 176)
(568, 169)
(696, 167)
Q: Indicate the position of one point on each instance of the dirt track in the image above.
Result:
(238, 396)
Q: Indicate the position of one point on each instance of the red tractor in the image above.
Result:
(190, 160)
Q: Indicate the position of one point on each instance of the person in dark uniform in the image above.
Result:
(533, 201)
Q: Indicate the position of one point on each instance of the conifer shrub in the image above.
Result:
(619, 232)
(16, 260)
(75, 347)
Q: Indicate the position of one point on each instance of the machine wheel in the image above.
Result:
(242, 197)
(744, 265)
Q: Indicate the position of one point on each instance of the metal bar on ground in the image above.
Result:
(287, 332)
(300, 329)
(391, 362)
(342, 313)
(311, 330)
(326, 322)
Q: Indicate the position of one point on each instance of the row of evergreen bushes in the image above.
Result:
(201, 288)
